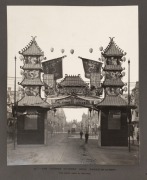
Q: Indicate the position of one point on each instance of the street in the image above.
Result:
(62, 148)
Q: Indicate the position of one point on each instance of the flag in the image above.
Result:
(95, 79)
(49, 80)
(91, 66)
(53, 66)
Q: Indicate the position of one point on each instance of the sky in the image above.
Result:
(78, 28)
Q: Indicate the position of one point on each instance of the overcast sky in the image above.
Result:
(78, 28)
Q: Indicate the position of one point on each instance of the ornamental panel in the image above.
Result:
(31, 74)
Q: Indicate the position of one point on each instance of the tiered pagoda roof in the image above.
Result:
(112, 68)
(32, 82)
(73, 81)
(113, 82)
(112, 49)
(33, 101)
(112, 101)
(32, 67)
(32, 49)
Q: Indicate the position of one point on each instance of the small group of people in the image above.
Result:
(86, 136)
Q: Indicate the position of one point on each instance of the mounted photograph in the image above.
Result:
(72, 85)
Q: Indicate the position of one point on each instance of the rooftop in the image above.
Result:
(32, 66)
(113, 67)
(32, 82)
(113, 82)
(33, 101)
(112, 49)
(112, 101)
(32, 49)
(73, 81)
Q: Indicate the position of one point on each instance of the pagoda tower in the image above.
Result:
(113, 108)
(113, 70)
(32, 109)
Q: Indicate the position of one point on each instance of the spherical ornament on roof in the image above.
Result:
(52, 49)
(90, 50)
(101, 48)
(21, 58)
(124, 59)
(71, 51)
(125, 53)
(62, 50)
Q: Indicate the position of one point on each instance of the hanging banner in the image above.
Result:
(91, 66)
(53, 66)
(48, 79)
(95, 79)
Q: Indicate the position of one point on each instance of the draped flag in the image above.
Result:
(95, 79)
(91, 66)
(49, 80)
(53, 66)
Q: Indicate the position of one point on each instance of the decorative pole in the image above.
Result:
(15, 102)
(129, 103)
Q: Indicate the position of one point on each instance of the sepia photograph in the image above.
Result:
(73, 85)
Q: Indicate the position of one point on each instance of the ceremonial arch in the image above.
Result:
(72, 91)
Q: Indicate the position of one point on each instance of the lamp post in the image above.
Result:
(129, 118)
(15, 113)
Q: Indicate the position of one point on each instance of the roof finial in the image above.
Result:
(33, 37)
(111, 38)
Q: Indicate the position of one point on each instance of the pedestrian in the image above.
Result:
(86, 137)
(132, 132)
(68, 132)
(81, 134)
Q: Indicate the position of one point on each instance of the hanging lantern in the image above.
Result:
(124, 59)
(90, 50)
(22, 72)
(52, 49)
(101, 48)
(123, 73)
(55, 112)
(21, 58)
(103, 59)
(90, 111)
(125, 53)
(41, 58)
(125, 89)
(62, 50)
(103, 73)
(71, 51)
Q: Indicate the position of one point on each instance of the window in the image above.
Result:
(30, 122)
(114, 119)
(137, 114)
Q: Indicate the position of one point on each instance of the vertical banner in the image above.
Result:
(91, 66)
(53, 66)
(95, 79)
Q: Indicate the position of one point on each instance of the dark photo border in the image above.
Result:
(46, 172)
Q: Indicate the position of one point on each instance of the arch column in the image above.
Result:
(99, 128)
